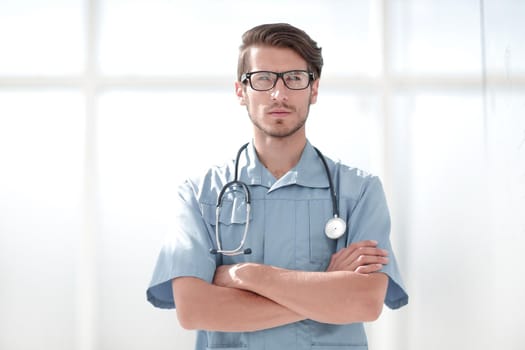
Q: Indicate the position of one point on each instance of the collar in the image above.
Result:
(309, 172)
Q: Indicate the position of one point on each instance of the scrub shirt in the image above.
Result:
(286, 230)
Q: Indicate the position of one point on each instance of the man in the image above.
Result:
(288, 285)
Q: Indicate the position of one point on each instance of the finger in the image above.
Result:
(361, 244)
(353, 258)
(354, 264)
(365, 246)
(371, 259)
(367, 252)
(371, 251)
(364, 260)
(355, 246)
(369, 268)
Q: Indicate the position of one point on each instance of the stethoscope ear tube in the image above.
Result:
(333, 194)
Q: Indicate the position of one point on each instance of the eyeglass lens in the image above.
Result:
(294, 80)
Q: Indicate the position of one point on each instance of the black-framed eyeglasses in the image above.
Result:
(265, 80)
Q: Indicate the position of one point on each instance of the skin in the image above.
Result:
(249, 296)
(278, 115)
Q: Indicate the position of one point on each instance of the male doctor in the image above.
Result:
(295, 287)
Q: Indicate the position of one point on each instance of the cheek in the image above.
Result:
(254, 110)
(254, 103)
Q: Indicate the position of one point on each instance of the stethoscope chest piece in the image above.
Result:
(335, 227)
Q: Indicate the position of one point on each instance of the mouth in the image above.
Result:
(279, 112)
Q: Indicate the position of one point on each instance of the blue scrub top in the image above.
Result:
(286, 230)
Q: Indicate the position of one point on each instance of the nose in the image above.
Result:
(279, 91)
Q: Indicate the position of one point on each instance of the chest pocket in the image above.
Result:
(321, 247)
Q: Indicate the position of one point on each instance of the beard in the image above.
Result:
(278, 128)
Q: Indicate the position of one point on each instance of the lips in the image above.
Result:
(279, 112)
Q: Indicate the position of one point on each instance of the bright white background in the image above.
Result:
(106, 105)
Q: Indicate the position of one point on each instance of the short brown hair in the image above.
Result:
(281, 35)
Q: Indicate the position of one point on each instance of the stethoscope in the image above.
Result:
(334, 228)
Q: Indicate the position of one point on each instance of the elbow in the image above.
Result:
(373, 310)
(374, 298)
(367, 309)
(367, 304)
(352, 310)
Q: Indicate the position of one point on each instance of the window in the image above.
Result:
(106, 105)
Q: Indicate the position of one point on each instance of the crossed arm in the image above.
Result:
(249, 297)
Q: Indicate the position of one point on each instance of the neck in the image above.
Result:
(279, 155)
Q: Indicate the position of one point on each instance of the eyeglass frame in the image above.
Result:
(247, 77)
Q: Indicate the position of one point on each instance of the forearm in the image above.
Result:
(201, 305)
(330, 297)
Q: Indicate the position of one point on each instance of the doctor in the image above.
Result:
(290, 286)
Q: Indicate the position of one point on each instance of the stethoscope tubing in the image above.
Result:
(333, 194)
(237, 183)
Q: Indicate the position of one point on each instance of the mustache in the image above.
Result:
(281, 105)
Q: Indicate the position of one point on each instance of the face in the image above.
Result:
(279, 112)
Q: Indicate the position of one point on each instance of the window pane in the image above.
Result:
(505, 56)
(435, 37)
(504, 33)
(506, 155)
(348, 127)
(446, 228)
(41, 183)
(41, 37)
(202, 37)
(148, 143)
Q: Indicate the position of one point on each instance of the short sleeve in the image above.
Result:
(185, 252)
(370, 220)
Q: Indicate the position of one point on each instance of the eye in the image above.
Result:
(295, 76)
(262, 77)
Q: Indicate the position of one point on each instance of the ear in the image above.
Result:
(314, 92)
(239, 91)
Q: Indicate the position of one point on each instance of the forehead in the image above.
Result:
(274, 59)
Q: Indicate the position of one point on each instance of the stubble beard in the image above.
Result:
(276, 132)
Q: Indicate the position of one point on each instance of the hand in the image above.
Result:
(361, 257)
